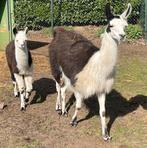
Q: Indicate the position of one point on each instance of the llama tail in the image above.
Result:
(55, 68)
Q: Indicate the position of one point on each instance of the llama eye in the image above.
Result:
(111, 26)
(16, 40)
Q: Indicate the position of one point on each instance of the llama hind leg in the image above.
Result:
(78, 107)
(58, 102)
(63, 95)
(102, 112)
(29, 87)
(16, 93)
(21, 87)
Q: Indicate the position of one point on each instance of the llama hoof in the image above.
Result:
(107, 137)
(74, 122)
(58, 108)
(26, 100)
(59, 112)
(65, 113)
(22, 109)
(16, 94)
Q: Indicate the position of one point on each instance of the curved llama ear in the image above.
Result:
(109, 15)
(127, 12)
(26, 30)
(15, 31)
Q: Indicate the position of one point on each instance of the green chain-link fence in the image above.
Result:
(45, 13)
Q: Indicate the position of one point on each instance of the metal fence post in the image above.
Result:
(10, 18)
(145, 21)
(52, 15)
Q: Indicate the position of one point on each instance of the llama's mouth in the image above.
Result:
(22, 46)
(123, 38)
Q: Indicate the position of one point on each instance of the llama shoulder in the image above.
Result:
(76, 51)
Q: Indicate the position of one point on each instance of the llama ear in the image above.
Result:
(15, 31)
(109, 15)
(26, 30)
(127, 12)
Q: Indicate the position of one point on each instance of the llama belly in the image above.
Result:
(88, 87)
(91, 81)
(24, 69)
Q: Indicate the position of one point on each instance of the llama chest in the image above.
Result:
(22, 63)
(96, 77)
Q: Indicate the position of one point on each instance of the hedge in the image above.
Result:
(36, 13)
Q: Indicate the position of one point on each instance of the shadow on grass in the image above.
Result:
(32, 45)
(42, 88)
(116, 105)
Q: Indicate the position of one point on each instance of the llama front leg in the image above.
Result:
(29, 87)
(58, 102)
(102, 112)
(78, 107)
(16, 94)
(21, 87)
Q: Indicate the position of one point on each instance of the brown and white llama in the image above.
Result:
(80, 67)
(20, 65)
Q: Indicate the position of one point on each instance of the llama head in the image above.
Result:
(117, 24)
(20, 38)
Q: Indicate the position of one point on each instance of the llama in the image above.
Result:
(80, 67)
(20, 65)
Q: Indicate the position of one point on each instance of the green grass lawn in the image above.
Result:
(131, 76)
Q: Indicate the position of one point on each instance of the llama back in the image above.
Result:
(10, 55)
(66, 50)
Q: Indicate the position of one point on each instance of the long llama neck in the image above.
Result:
(21, 55)
(108, 50)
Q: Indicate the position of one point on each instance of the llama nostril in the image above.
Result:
(122, 36)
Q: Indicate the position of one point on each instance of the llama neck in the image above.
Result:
(103, 62)
(108, 50)
(108, 44)
(21, 55)
(99, 72)
(21, 52)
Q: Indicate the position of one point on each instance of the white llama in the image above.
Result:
(20, 64)
(77, 65)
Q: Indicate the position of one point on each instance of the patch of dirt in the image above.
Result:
(41, 127)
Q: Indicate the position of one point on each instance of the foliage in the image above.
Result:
(134, 32)
(31, 13)
(100, 31)
(36, 13)
(48, 30)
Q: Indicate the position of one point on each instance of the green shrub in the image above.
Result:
(48, 30)
(36, 13)
(31, 13)
(134, 32)
(100, 30)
